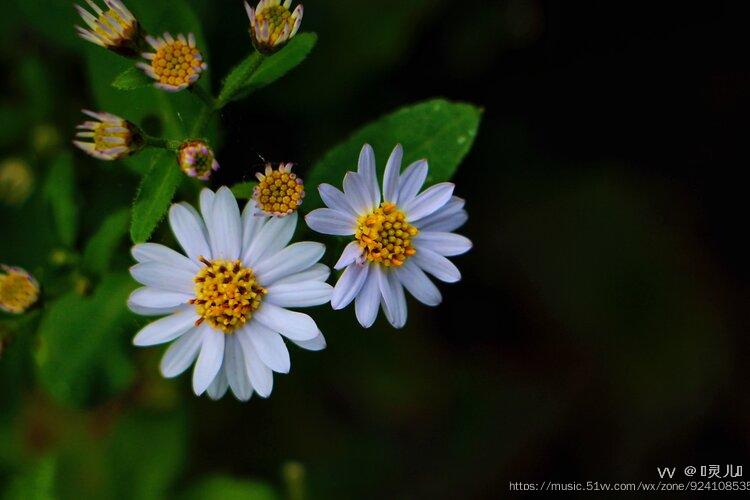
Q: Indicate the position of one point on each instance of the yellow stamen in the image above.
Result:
(226, 294)
(385, 235)
(176, 63)
(279, 192)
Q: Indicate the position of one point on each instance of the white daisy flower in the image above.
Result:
(395, 241)
(227, 298)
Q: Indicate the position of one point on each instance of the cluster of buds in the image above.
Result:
(18, 290)
(175, 63)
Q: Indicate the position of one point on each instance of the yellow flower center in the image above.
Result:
(278, 17)
(17, 292)
(385, 235)
(128, 29)
(226, 294)
(279, 192)
(176, 62)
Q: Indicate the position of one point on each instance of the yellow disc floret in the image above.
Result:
(385, 236)
(279, 192)
(226, 294)
(176, 64)
(18, 290)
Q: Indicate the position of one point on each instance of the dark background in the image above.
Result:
(600, 327)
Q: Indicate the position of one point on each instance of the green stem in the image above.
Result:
(202, 121)
(161, 143)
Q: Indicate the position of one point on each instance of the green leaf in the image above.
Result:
(100, 248)
(227, 488)
(74, 336)
(438, 130)
(131, 79)
(247, 76)
(154, 195)
(60, 193)
(244, 190)
(35, 482)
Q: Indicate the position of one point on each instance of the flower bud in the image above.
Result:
(109, 137)
(16, 181)
(115, 29)
(197, 159)
(18, 290)
(272, 25)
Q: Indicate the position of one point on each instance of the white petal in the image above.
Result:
(166, 329)
(335, 199)
(291, 324)
(445, 223)
(198, 217)
(437, 265)
(153, 252)
(188, 230)
(357, 193)
(251, 224)
(428, 202)
(270, 347)
(293, 259)
(418, 284)
(318, 272)
(274, 236)
(181, 353)
(164, 277)
(261, 376)
(366, 169)
(446, 244)
(452, 208)
(349, 285)
(368, 301)
(225, 230)
(391, 176)
(330, 221)
(303, 294)
(156, 298)
(206, 203)
(236, 369)
(411, 181)
(351, 253)
(316, 344)
(394, 300)
(151, 311)
(209, 360)
(219, 386)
